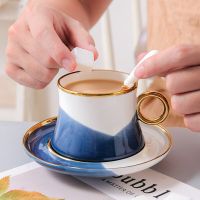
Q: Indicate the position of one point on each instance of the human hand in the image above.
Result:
(181, 67)
(39, 43)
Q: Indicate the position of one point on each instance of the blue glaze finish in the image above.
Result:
(36, 147)
(76, 141)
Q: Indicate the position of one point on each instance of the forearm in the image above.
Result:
(85, 11)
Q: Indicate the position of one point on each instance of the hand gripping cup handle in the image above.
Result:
(143, 86)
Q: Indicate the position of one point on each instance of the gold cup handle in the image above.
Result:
(164, 102)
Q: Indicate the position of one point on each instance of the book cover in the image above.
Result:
(32, 181)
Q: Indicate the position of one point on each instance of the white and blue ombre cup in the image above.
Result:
(100, 127)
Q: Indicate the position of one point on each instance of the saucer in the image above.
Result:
(158, 143)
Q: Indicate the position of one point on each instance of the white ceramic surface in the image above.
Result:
(106, 114)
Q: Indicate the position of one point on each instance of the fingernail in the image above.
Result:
(69, 65)
(140, 72)
(94, 50)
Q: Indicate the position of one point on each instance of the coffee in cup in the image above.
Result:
(98, 86)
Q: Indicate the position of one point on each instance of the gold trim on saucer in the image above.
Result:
(50, 148)
(120, 92)
(53, 119)
(37, 126)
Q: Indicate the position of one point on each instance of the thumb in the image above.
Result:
(140, 56)
(80, 37)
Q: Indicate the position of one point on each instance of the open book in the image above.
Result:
(32, 180)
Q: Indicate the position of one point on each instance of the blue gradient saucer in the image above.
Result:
(36, 141)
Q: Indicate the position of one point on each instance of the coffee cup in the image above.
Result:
(98, 121)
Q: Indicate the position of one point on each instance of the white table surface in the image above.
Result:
(182, 163)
